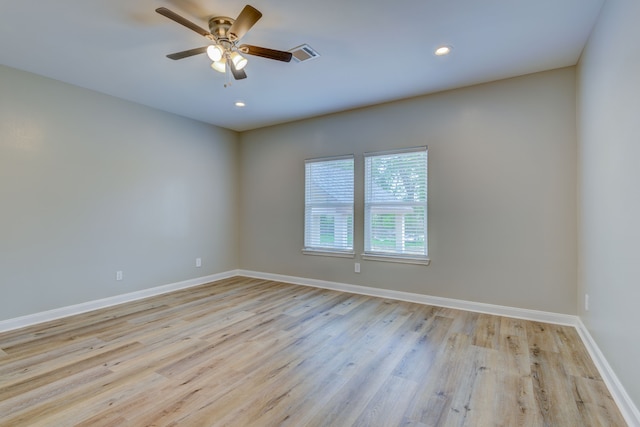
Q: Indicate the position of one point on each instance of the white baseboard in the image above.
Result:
(500, 310)
(520, 313)
(45, 316)
(629, 410)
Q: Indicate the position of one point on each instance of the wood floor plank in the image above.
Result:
(20, 404)
(539, 335)
(252, 352)
(421, 354)
(483, 384)
(15, 367)
(256, 387)
(554, 398)
(576, 359)
(433, 399)
(114, 397)
(386, 407)
(66, 368)
(487, 331)
(177, 400)
(589, 393)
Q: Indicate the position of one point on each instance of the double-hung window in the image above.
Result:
(328, 212)
(395, 205)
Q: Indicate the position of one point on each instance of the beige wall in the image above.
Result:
(91, 184)
(609, 180)
(502, 192)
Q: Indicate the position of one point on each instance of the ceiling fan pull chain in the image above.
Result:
(227, 72)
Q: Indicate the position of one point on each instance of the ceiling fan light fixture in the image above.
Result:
(220, 66)
(215, 52)
(238, 60)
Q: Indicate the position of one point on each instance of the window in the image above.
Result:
(328, 212)
(395, 205)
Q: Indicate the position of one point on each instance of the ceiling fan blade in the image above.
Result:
(187, 53)
(237, 74)
(243, 23)
(183, 21)
(264, 52)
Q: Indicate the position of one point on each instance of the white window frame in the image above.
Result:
(398, 254)
(315, 248)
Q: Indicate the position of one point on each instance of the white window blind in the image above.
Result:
(328, 213)
(396, 203)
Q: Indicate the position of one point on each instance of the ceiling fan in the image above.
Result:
(225, 33)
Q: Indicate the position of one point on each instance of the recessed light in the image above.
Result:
(443, 50)
(240, 104)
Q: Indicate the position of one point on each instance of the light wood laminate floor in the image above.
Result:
(248, 352)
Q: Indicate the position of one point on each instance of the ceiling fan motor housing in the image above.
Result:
(219, 27)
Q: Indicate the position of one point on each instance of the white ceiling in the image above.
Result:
(371, 51)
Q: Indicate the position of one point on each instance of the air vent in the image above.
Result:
(304, 53)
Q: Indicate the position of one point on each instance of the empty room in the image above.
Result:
(414, 213)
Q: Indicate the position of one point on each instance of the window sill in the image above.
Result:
(398, 259)
(328, 253)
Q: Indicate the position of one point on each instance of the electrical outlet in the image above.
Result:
(357, 267)
(586, 302)
(119, 275)
(198, 262)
